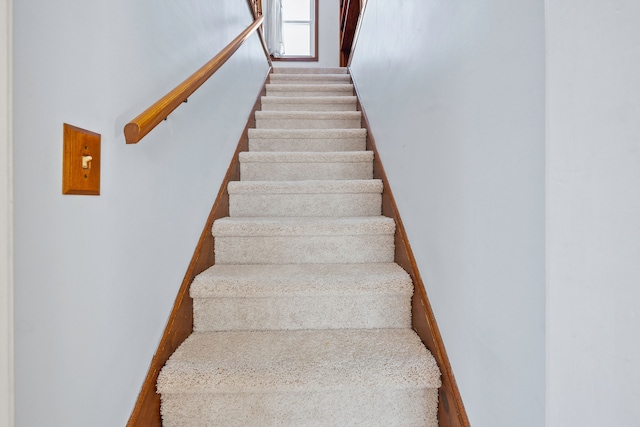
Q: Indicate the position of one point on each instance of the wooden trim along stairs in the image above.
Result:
(451, 412)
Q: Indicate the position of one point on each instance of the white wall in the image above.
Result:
(328, 38)
(96, 277)
(6, 222)
(593, 210)
(455, 95)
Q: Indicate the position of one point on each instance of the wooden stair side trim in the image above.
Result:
(146, 412)
(451, 411)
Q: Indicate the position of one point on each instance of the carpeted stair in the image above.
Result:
(305, 320)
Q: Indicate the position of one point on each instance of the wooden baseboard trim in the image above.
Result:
(451, 412)
(146, 412)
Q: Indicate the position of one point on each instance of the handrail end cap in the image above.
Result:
(132, 133)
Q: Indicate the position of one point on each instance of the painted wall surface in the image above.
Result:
(455, 95)
(6, 222)
(96, 277)
(328, 38)
(593, 206)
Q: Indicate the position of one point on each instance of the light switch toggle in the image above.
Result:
(86, 162)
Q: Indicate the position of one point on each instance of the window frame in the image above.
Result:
(314, 34)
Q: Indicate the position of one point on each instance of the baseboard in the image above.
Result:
(146, 412)
(451, 412)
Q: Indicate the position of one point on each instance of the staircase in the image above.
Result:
(304, 320)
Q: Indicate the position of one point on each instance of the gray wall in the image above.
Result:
(454, 91)
(593, 211)
(96, 277)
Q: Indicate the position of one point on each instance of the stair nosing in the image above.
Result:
(319, 87)
(309, 99)
(310, 76)
(260, 133)
(259, 281)
(308, 115)
(302, 226)
(363, 156)
(313, 187)
(309, 70)
(306, 360)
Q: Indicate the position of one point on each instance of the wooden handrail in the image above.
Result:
(135, 130)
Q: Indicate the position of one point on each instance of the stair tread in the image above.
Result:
(310, 75)
(291, 280)
(274, 119)
(303, 226)
(306, 156)
(310, 99)
(307, 115)
(306, 133)
(309, 87)
(251, 361)
(296, 87)
(310, 70)
(282, 77)
(320, 102)
(306, 187)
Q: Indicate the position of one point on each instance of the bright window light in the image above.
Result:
(296, 10)
(298, 27)
(297, 39)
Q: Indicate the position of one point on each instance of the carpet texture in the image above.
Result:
(305, 70)
(308, 119)
(309, 103)
(352, 198)
(302, 296)
(303, 140)
(298, 90)
(304, 320)
(306, 166)
(300, 78)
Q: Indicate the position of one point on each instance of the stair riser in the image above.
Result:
(304, 249)
(294, 123)
(283, 91)
(362, 407)
(317, 145)
(308, 106)
(296, 79)
(255, 171)
(314, 312)
(305, 70)
(301, 205)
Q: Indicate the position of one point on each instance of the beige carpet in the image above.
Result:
(304, 320)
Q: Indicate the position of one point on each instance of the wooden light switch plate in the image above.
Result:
(81, 162)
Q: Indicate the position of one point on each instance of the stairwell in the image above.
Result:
(305, 319)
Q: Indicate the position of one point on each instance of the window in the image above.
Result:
(300, 30)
